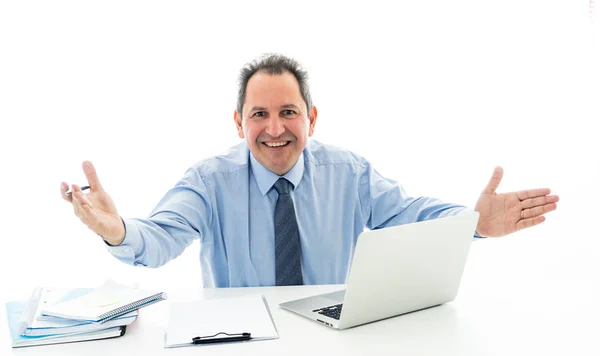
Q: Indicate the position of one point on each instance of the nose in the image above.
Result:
(275, 127)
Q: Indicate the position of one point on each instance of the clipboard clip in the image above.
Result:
(212, 339)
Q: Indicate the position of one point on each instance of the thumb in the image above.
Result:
(494, 181)
(92, 177)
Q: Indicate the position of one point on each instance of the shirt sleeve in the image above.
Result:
(385, 203)
(183, 215)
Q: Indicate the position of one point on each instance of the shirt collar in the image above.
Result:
(265, 178)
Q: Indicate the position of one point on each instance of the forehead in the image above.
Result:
(279, 89)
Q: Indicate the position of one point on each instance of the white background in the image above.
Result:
(434, 93)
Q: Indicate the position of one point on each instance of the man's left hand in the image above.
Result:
(502, 214)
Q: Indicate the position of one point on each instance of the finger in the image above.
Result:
(494, 181)
(538, 210)
(75, 188)
(76, 206)
(92, 177)
(64, 187)
(84, 201)
(532, 193)
(83, 207)
(530, 203)
(89, 210)
(77, 196)
(91, 216)
(525, 223)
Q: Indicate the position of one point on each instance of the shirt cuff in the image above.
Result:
(131, 246)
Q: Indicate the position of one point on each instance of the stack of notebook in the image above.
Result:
(57, 315)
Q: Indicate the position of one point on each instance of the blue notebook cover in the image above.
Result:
(15, 309)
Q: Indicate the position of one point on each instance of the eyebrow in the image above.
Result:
(285, 106)
(258, 108)
(290, 106)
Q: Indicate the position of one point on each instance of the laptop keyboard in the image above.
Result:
(331, 311)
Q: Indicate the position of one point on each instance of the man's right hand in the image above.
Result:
(95, 209)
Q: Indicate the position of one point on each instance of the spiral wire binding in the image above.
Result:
(132, 306)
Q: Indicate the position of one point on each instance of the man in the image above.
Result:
(278, 209)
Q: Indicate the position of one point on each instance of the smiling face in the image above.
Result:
(274, 121)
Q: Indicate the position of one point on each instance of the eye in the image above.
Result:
(259, 114)
(288, 112)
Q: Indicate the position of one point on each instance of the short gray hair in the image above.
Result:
(273, 64)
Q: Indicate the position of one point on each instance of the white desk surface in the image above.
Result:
(473, 324)
(510, 302)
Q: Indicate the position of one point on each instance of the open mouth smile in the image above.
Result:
(276, 144)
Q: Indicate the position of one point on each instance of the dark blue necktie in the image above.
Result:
(288, 270)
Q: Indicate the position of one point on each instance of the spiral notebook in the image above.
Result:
(104, 303)
(15, 310)
(32, 323)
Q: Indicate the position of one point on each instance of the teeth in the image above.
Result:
(276, 144)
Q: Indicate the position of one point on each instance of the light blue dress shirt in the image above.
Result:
(227, 202)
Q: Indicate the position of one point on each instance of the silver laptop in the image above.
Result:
(396, 270)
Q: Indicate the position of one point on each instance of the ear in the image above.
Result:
(312, 119)
(237, 118)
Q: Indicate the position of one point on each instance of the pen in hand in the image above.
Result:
(85, 187)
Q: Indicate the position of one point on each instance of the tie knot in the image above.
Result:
(283, 186)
